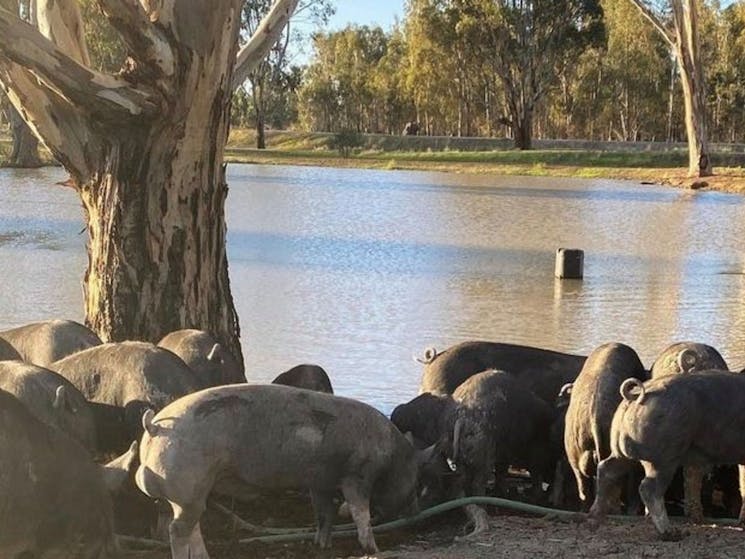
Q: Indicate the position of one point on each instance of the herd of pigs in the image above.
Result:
(83, 423)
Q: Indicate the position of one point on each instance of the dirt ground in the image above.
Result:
(508, 536)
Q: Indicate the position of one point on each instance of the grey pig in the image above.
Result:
(671, 421)
(234, 438)
(45, 342)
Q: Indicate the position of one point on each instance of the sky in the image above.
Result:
(366, 12)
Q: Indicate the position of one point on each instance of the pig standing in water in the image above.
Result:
(593, 401)
(238, 437)
(43, 343)
(670, 421)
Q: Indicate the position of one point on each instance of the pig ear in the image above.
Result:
(566, 390)
(214, 354)
(147, 422)
(60, 397)
(687, 360)
(116, 472)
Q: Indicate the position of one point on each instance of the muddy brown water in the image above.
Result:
(358, 270)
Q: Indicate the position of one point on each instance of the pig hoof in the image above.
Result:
(673, 535)
(695, 515)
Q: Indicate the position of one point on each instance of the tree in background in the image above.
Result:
(25, 150)
(393, 106)
(432, 78)
(680, 30)
(272, 80)
(340, 90)
(107, 50)
(144, 150)
(637, 72)
(530, 41)
(727, 74)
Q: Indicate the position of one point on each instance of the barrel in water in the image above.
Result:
(570, 263)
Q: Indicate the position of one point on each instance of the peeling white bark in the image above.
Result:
(81, 85)
(266, 35)
(684, 42)
(60, 22)
(145, 151)
(144, 39)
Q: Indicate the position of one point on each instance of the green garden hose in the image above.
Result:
(301, 534)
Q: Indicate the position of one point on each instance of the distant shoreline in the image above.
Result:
(644, 162)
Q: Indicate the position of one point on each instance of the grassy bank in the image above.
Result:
(645, 162)
(657, 163)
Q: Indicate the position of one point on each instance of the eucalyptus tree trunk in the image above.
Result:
(144, 149)
(25, 150)
(694, 87)
(257, 92)
(684, 42)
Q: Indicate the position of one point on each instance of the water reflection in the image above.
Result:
(359, 270)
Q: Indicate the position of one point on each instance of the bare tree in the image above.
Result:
(144, 149)
(25, 150)
(682, 36)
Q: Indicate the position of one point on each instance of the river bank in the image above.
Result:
(645, 162)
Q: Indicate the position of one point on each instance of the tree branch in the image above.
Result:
(60, 126)
(97, 93)
(648, 13)
(60, 22)
(262, 39)
(146, 42)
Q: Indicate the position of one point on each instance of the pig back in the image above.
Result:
(213, 364)
(701, 410)
(42, 343)
(684, 357)
(542, 371)
(515, 416)
(595, 396)
(38, 388)
(120, 373)
(276, 436)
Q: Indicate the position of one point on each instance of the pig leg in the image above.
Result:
(476, 487)
(557, 487)
(185, 534)
(610, 472)
(359, 505)
(633, 499)
(584, 487)
(693, 477)
(741, 472)
(323, 506)
(652, 490)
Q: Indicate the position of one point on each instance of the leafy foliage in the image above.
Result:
(345, 141)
